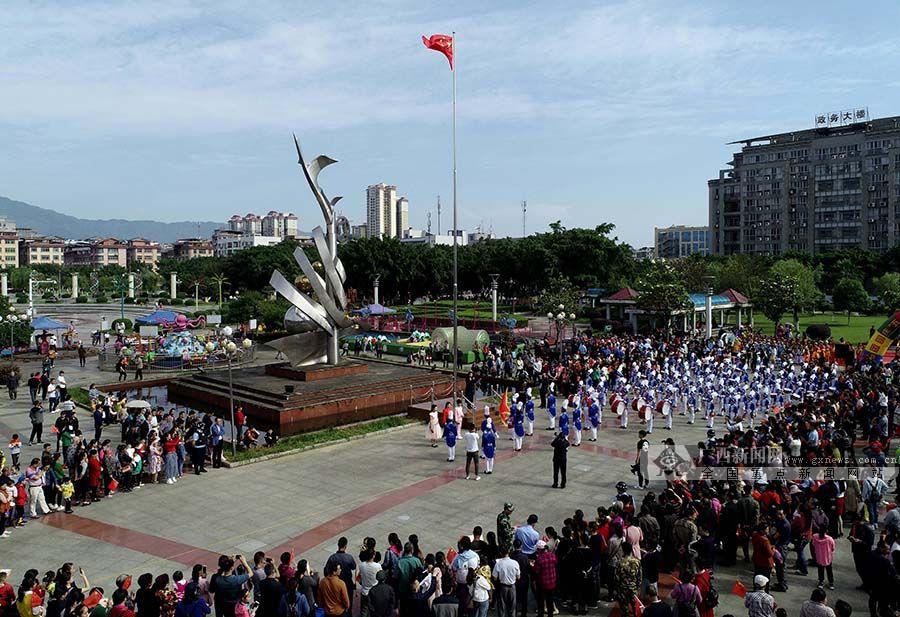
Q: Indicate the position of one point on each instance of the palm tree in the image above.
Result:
(219, 280)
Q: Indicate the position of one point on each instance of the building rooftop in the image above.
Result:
(889, 123)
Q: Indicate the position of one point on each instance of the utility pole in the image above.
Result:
(524, 211)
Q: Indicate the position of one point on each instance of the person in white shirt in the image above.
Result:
(471, 439)
(506, 573)
(367, 577)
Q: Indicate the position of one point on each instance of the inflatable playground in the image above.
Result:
(404, 344)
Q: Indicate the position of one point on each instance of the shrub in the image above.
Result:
(101, 299)
(129, 300)
(48, 295)
(81, 300)
(7, 367)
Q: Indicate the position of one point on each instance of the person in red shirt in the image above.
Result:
(95, 473)
(543, 573)
(7, 594)
(239, 420)
(170, 456)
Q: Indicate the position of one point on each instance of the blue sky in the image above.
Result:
(593, 112)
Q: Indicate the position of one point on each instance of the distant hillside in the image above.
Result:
(52, 223)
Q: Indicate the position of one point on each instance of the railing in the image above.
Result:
(174, 364)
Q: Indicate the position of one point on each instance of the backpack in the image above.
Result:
(712, 598)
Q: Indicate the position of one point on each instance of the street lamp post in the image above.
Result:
(560, 319)
(230, 351)
(12, 319)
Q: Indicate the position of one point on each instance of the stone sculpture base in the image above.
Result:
(291, 405)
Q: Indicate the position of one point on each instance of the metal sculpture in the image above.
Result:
(318, 321)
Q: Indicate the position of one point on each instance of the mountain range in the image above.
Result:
(52, 223)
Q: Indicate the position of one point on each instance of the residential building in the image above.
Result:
(226, 242)
(381, 211)
(835, 186)
(96, 253)
(33, 251)
(645, 252)
(141, 250)
(680, 241)
(359, 231)
(190, 248)
(9, 246)
(402, 216)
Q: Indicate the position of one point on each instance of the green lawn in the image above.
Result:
(467, 310)
(294, 442)
(856, 332)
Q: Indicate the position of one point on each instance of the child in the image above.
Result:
(21, 500)
(180, 584)
(242, 608)
(15, 449)
(67, 489)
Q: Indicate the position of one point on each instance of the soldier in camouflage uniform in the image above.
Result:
(505, 531)
(628, 581)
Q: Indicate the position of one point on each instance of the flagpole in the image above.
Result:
(455, 233)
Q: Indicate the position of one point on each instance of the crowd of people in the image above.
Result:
(786, 403)
(787, 397)
(82, 465)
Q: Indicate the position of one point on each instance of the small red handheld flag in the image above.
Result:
(442, 43)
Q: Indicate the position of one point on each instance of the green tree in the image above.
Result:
(887, 288)
(806, 294)
(774, 295)
(560, 291)
(850, 295)
(662, 291)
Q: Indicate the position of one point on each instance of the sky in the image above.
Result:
(593, 112)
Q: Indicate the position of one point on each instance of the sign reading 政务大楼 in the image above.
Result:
(842, 118)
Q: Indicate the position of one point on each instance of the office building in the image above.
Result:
(680, 241)
(418, 236)
(831, 187)
(33, 251)
(141, 250)
(381, 211)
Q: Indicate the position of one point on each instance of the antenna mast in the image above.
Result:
(439, 215)
(524, 212)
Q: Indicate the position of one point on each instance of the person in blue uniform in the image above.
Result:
(594, 418)
(551, 410)
(564, 422)
(576, 422)
(450, 435)
(518, 427)
(529, 416)
(488, 448)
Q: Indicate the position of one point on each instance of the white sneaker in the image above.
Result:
(468, 477)
(170, 481)
(5, 534)
(478, 477)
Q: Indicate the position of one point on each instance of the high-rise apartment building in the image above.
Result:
(818, 190)
(402, 216)
(680, 241)
(381, 211)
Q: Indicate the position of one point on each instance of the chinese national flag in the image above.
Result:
(442, 43)
(503, 410)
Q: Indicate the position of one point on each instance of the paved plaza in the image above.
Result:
(370, 487)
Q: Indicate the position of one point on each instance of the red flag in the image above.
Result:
(442, 43)
(503, 410)
(738, 589)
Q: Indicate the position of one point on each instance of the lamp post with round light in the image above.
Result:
(12, 319)
(561, 320)
(231, 350)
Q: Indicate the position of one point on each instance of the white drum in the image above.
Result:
(663, 408)
(646, 413)
(618, 407)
